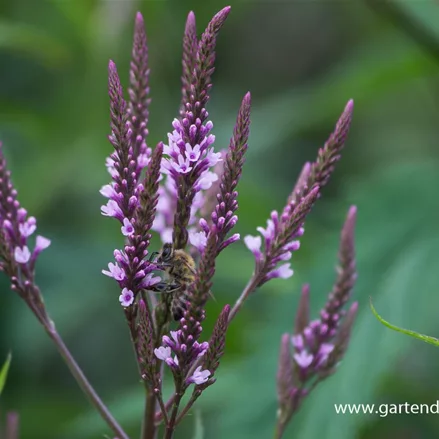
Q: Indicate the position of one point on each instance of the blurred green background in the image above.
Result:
(302, 61)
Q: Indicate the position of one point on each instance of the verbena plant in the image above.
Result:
(185, 191)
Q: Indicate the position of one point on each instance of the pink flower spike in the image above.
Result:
(162, 353)
(126, 298)
(115, 272)
(27, 228)
(199, 376)
(22, 255)
(127, 228)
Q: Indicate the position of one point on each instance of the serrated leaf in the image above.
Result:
(426, 338)
(4, 372)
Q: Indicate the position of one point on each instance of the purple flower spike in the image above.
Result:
(139, 95)
(191, 132)
(217, 343)
(184, 357)
(131, 202)
(312, 353)
(17, 259)
(284, 376)
(302, 315)
(346, 273)
(282, 231)
(145, 344)
(123, 161)
(190, 46)
(329, 155)
(280, 240)
(319, 172)
(223, 217)
(341, 343)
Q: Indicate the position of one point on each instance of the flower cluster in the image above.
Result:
(125, 165)
(174, 345)
(190, 155)
(180, 177)
(187, 192)
(215, 233)
(312, 353)
(16, 259)
(280, 237)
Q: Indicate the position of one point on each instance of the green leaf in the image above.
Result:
(426, 338)
(4, 372)
(34, 42)
(199, 427)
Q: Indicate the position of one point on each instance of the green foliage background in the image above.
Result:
(302, 61)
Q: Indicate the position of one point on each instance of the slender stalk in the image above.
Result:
(164, 409)
(148, 425)
(84, 384)
(170, 427)
(250, 287)
(188, 406)
(279, 430)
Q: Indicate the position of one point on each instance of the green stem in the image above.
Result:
(188, 406)
(164, 409)
(250, 287)
(84, 384)
(279, 430)
(148, 425)
(170, 427)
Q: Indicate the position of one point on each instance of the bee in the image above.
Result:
(180, 269)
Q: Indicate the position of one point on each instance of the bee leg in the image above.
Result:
(153, 255)
(161, 287)
(162, 265)
(165, 287)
